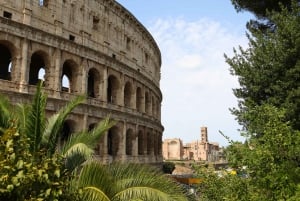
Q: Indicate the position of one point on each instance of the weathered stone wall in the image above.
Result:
(96, 48)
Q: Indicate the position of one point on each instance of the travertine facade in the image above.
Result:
(94, 47)
(172, 149)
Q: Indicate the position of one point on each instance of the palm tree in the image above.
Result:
(132, 182)
(43, 133)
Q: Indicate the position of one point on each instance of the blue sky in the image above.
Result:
(196, 83)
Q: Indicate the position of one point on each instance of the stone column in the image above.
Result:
(104, 85)
(56, 81)
(27, 12)
(24, 70)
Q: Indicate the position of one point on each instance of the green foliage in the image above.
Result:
(168, 167)
(259, 7)
(22, 178)
(127, 182)
(268, 71)
(222, 185)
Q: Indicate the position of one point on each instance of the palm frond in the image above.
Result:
(90, 139)
(5, 112)
(137, 181)
(35, 119)
(53, 130)
(94, 194)
(96, 175)
(76, 155)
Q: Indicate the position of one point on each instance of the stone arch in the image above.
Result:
(149, 143)
(93, 88)
(69, 76)
(113, 85)
(153, 106)
(141, 142)
(147, 103)
(67, 130)
(38, 67)
(139, 99)
(92, 126)
(155, 143)
(128, 93)
(113, 140)
(6, 60)
(129, 141)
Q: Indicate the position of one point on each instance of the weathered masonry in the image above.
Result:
(96, 48)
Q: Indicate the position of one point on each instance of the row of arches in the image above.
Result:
(76, 75)
(122, 141)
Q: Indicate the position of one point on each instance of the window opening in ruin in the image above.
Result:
(146, 58)
(139, 99)
(148, 103)
(149, 143)
(112, 89)
(71, 37)
(153, 106)
(68, 77)
(95, 22)
(129, 141)
(155, 142)
(7, 15)
(91, 85)
(128, 43)
(140, 143)
(37, 69)
(43, 3)
(5, 63)
(66, 132)
(65, 84)
(127, 95)
(112, 141)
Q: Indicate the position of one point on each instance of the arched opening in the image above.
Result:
(93, 83)
(67, 130)
(37, 68)
(128, 95)
(113, 141)
(129, 141)
(141, 143)
(156, 144)
(112, 89)
(149, 143)
(92, 126)
(68, 78)
(5, 63)
(153, 106)
(139, 99)
(147, 103)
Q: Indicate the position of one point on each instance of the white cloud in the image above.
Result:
(196, 82)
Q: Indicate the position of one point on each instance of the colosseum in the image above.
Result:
(96, 48)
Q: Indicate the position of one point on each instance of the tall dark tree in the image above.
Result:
(269, 70)
(259, 7)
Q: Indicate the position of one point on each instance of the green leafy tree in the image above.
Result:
(260, 7)
(268, 71)
(269, 106)
(221, 185)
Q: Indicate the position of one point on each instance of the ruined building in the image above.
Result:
(198, 150)
(96, 48)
